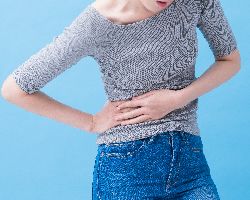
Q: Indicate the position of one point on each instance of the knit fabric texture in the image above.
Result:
(158, 52)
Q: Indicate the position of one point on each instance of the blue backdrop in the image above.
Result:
(42, 159)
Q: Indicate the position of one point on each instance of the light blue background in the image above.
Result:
(43, 159)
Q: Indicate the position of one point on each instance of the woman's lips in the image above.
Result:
(161, 3)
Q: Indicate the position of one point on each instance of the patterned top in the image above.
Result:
(154, 53)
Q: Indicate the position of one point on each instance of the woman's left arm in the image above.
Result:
(216, 29)
(219, 72)
(157, 103)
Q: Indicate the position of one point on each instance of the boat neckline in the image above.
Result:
(142, 21)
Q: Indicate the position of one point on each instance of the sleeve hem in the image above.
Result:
(22, 87)
(226, 52)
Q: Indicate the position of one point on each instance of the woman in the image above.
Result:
(149, 143)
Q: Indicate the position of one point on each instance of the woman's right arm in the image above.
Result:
(44, 105)
(22, 86)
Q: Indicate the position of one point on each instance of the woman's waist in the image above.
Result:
(131, 132)
(184, 115)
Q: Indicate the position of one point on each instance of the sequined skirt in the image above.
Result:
(169, 165)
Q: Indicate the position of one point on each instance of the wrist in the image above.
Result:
(183, 97)
(92, 123)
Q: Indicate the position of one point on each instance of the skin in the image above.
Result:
(129, 11)
(151, 105)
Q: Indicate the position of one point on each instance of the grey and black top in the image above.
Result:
(154, 53)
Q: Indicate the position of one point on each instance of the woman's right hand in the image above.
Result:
(105, 119)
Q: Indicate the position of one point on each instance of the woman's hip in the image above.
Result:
(155, 166)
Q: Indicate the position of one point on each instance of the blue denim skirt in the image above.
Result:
(168, 165)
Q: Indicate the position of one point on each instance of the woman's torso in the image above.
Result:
(156, 52)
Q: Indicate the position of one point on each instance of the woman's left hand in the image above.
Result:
(150, 106)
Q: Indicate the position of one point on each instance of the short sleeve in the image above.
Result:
(65, 50)
(216, 29)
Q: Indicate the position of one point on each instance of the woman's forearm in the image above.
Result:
(44, 105)
(219, 72)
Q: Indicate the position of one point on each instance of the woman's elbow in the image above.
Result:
(10, 90)
(234, 58)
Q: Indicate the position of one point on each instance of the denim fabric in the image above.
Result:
(169, 165)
